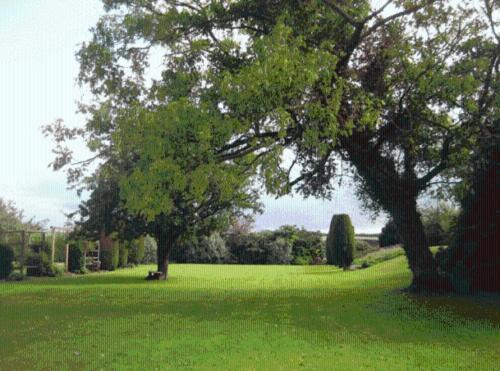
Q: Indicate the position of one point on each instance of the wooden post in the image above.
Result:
(66, 262)
(53, 252)
(23, 248)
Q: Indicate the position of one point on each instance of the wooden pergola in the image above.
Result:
(23, 241)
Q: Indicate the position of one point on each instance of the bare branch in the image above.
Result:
(400, 14)
(445, 151)
(377, 12)
(337, 9)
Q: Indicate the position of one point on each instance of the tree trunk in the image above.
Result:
(163, 253)
(426, 277)
(397, 195)
(473, 259)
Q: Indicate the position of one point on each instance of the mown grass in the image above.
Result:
(244, 317)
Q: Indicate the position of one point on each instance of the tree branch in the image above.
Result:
(445, 151)
(337, 9)
(400, 14)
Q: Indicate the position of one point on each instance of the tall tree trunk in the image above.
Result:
(426, 277)
(473, 259)
(397, 195)
(163, 253)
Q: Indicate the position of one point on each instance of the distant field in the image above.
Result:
(244, 317)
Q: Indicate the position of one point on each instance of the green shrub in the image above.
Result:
(340, 241)
(110, 253)
(362, 248)
(389, 235)
(301, 260)
(56, 271)
(307, 246)
(213, 249)
(150, 248)
(76, 259)
(439, 223)
(16, 276)
(136, 251)
(38, 265)
(123, 254)
(6, 261)
(280, 251)
(286, 245)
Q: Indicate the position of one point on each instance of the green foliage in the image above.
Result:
(307, 246)
(16, 276)
(110, 255)
(260, 248)
(389, 235)
(136, 251)
(60, 246)
(340, 241)
(38, 264)
(362, 248)
(213, 249)
(378, 256)
(76, 258)
(439, 223)
(10, 216)
(150, 255)
(286, 245)
(123, 253)
(242, 81)
(6, 261)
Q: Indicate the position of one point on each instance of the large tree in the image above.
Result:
(401, 92)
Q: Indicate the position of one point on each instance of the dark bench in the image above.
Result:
(154, 275)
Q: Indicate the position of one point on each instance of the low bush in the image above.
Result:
(16, 276)
(6, 261)
(38, 265)
(307, 246)
(362, 248)
(286, 245)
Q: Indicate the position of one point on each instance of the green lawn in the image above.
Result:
(244, 317)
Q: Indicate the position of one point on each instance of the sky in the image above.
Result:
(38, 69)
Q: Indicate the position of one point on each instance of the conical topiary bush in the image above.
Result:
(340, 241)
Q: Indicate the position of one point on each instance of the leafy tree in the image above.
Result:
(12, 218)
(400, 92)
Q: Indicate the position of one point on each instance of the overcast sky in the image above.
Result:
(38, 41)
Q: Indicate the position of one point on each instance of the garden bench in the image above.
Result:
(154, 275)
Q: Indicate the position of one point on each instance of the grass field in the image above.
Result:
(244, 317)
